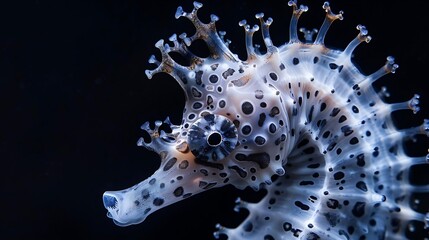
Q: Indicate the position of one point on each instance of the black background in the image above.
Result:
(73, 95)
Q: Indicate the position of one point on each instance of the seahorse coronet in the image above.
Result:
(299, 120)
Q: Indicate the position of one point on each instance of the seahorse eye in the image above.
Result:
(212, 137)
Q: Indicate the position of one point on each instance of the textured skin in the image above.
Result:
(299, 120)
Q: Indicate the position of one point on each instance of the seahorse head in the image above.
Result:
(233, 131)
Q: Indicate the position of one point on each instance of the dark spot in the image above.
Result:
(347, 130)
(273, 76)
(272, 128)
(184, 164)
(204, 172)
(228, 73)
(358, 209)
(137, 202)
(158, 201)
(222, 103)
(338, 175)
(334, 112)
(197, 105)
(263, 104)
(339, 150)
(306, 183)
(152, 181)
(295, 61)
(209, 100)
(268, 237)
(302, 205)
(239, 171)
(282, 67)
(259, 140)
(355, 109)
(146, 211)
(331, 146)
(191, 116)
(342, 119)
(321, 123)
(247, 227)
(333, 66)
(362, 186)
(310, 114)
(354, 141)
(261, 120)
(274, 111)
(247, 108)
(309, 150)
(376, 152)
(196, 93)
(145, 194)
(186, 195)
(206, 185)
(170, 163)
(198, 76)
(178, 192)
(315, 60)
(213, 78)
(246, 130)
(360, 160)
(332, 203)
(322, 106)
(314, 165)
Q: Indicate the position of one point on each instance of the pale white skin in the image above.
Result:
(301, 112)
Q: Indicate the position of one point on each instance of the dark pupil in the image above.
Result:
(214, 139)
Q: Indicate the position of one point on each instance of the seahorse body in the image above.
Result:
(299, 120)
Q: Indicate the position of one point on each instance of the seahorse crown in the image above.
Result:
(299, 120)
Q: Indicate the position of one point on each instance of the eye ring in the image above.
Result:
(212, 137)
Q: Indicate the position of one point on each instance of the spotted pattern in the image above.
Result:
(300, 121)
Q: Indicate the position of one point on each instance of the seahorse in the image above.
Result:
(299, 120)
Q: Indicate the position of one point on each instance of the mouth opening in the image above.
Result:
(109, 201)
